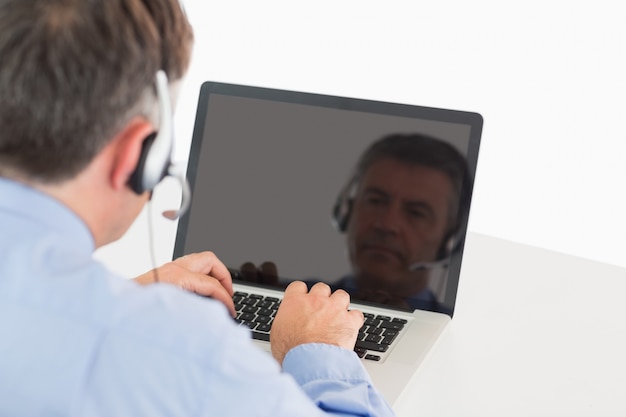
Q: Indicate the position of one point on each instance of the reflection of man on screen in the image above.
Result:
(401, 212)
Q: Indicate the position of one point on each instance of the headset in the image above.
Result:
(155, 160)
(344, 203)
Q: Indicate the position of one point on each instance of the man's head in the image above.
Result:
(74, 72)
(406, 199)
(75, 76)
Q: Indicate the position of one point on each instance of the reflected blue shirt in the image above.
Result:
(77, 340)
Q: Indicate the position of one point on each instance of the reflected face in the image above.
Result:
(400, 216)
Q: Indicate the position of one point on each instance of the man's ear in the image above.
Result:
(127, 149)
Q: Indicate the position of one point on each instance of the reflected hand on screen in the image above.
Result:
(266, 273)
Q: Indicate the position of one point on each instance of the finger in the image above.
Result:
(210, 287)
(320, 289)
(296, 287)
(341, 297)
(209, 264)
(147, 278)
(249, 272)
(357, 317)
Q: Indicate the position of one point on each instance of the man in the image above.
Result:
(401, 212)
(76, 108)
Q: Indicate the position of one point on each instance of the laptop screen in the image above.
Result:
(367, 196)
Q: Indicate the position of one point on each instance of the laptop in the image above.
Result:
(278, 195)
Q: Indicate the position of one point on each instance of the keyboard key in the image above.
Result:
(263, 319)
(387, 340)
(246, 316)
(371, 346)
(391, 325)
(261, 336)
(372, 322)
(265, 312)
(263, 327)
(250, 301)
(360, 352)
(250, 324)
(373, 338)
(372, 357)
(398, 320)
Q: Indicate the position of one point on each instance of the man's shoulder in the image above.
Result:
(86, 296)
(88, 328)
(163, 316)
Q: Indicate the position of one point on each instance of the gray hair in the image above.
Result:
(73, 72)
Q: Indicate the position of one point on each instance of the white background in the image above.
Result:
(547, 76)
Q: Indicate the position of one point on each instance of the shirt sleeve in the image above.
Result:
(335, 380)
(316, 380)
(158, 364)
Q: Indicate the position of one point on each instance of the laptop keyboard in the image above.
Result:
(257, 312)
(375, 336)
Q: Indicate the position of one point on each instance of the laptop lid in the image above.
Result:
(357, 193)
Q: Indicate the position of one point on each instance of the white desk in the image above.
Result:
(535, 333)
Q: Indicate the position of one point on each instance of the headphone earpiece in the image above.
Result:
(156, 149)
(448, 246)
(343, 207)
(341, 213)
(136, 181)
(155, 160)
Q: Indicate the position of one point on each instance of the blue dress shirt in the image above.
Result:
(77, 340)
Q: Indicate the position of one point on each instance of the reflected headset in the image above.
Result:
(155, 161)
(344, 203)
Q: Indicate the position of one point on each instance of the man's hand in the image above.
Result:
(313, 317)
(202, 273)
